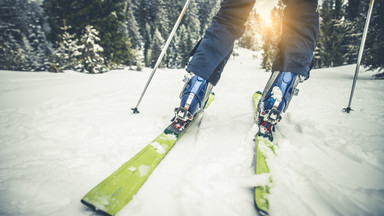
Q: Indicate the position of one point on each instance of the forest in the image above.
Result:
(100, 35)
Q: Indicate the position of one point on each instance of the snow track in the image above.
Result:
(61, 134)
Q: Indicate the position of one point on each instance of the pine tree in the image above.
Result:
(108, 17)
(356, 14)
(156, 47)
(373, 57)
(133, 30)
(251, 37)
(12, 55)
(160, 18)
(207, 9)
(332, 34)
(160, 14)
(352, 38)
(183, 45)
(37, 59)
(271, 36)
(67, 54)
(269, 50)
(139, 57)
(193, 23)
(10, 48)
(91, 60)
(147, 44)
(21, 30)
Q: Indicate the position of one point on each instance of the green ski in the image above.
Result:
(263, 143)
(113, 193)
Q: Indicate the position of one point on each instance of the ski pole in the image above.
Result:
(135, 110)
(348, 109)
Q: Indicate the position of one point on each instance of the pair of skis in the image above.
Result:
(114, 192)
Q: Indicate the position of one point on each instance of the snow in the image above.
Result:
(61, 134)
(159, 148)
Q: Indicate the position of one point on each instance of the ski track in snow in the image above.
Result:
(61, 134)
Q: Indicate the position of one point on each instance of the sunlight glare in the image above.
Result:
(267, 21)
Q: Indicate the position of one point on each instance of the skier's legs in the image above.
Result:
(210, 57)
(293, 62)
(216, 46)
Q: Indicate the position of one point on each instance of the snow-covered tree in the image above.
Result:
(147, 44)
(156, 47)
(332, 34)
(193, 24)
(374, 52)
(160, 18)
(251, 38)
(353, 25)
(37, 60)
(185, 45)
(11, 51)
(21, 29)
(133, 30)
(108, 17)
(12, 55)
(207, 9)
(271, 36)
(91, 60)
(67, 54)
(160, 14)
(173, 58)
(139, 57)
(269, 49)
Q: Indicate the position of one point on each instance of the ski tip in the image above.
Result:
(101, 212)
(135, 110)
(261, 212)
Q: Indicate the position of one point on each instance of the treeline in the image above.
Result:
(93, 36)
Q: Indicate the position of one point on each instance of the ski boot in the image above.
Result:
(194, 97)
(277, 94)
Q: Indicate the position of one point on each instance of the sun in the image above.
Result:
(268, 21)
(264, 8)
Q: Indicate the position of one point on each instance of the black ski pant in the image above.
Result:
(298, 41)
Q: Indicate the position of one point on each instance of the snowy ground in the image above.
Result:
(61, 134)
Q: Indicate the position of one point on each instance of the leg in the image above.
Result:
(293, 62)
(298, 39)
(216, 46)
(209, 59)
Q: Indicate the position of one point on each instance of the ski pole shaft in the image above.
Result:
(362, 44)
(163, 51)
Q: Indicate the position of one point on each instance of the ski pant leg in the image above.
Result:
(216, 46)
(298, 39)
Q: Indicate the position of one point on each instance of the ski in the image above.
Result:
(263, 143)
(114, 192)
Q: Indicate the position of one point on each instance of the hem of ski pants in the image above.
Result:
(202, 74)
(213, 77)
(295, 70)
